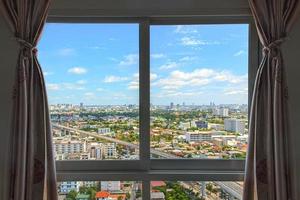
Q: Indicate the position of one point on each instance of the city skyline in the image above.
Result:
(174, 104)
(98, 64)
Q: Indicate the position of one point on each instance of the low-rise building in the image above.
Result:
(198, 136)
(69, 146)
(103, 130)
(67, 186)
(184, 125)
(157, 196)
(110, 186)
(201, 124)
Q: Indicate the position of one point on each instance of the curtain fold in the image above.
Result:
(267, 170)
(32, 174)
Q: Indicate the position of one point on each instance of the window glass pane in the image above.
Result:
(91, 73)
(196, 190)
(199, 91)
(99, 190)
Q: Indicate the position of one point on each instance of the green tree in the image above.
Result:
(82, 189)
(72, 195)
(92, 192)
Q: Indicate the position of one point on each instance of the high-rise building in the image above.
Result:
(234, 125)
(171, 105)
(110, 150)
(222, 112)
(96, 152)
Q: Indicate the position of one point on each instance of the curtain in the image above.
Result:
(32, 174)
(267, 170)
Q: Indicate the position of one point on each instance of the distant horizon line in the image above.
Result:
(150, 104)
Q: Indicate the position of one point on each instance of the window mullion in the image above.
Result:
(146, 194)
(144, 82)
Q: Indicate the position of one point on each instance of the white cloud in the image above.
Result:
(189, 41)
(239, 53)
(187, 59)
(89, 94)
(120, 95)
(229, 77)
(134, 84)
(81, 82)
(112, 79)
(130, 59)
(48, 73)
(66, 52)
(169, 65)
(96, 47)
(72, 86)
(182, 29)
(167, 93)
(236, 92)
(153, 76)
(53, 86)
(99, 89)
(158, 55)
(65, 86)
(199, 77)
(77, 70)
(113, 59)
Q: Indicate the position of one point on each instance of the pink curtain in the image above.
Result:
(32, 164)
(267, 174)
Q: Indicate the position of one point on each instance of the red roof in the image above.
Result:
(157, 183)
(102, 194)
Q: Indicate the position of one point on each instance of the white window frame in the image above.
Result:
(146, 13)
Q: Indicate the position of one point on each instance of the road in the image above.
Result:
(232, 188)
(134, 146)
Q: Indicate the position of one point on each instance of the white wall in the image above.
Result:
(8, 56)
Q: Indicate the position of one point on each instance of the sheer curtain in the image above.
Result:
(32, 174)
(267, 174)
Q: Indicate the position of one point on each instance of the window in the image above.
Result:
(91, 72)
(132, 54)
(196, 190)
(199, 90)
(100, 190)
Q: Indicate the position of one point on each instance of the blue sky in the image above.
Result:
(98, 63)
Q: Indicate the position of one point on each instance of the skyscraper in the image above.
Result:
(234, 125)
